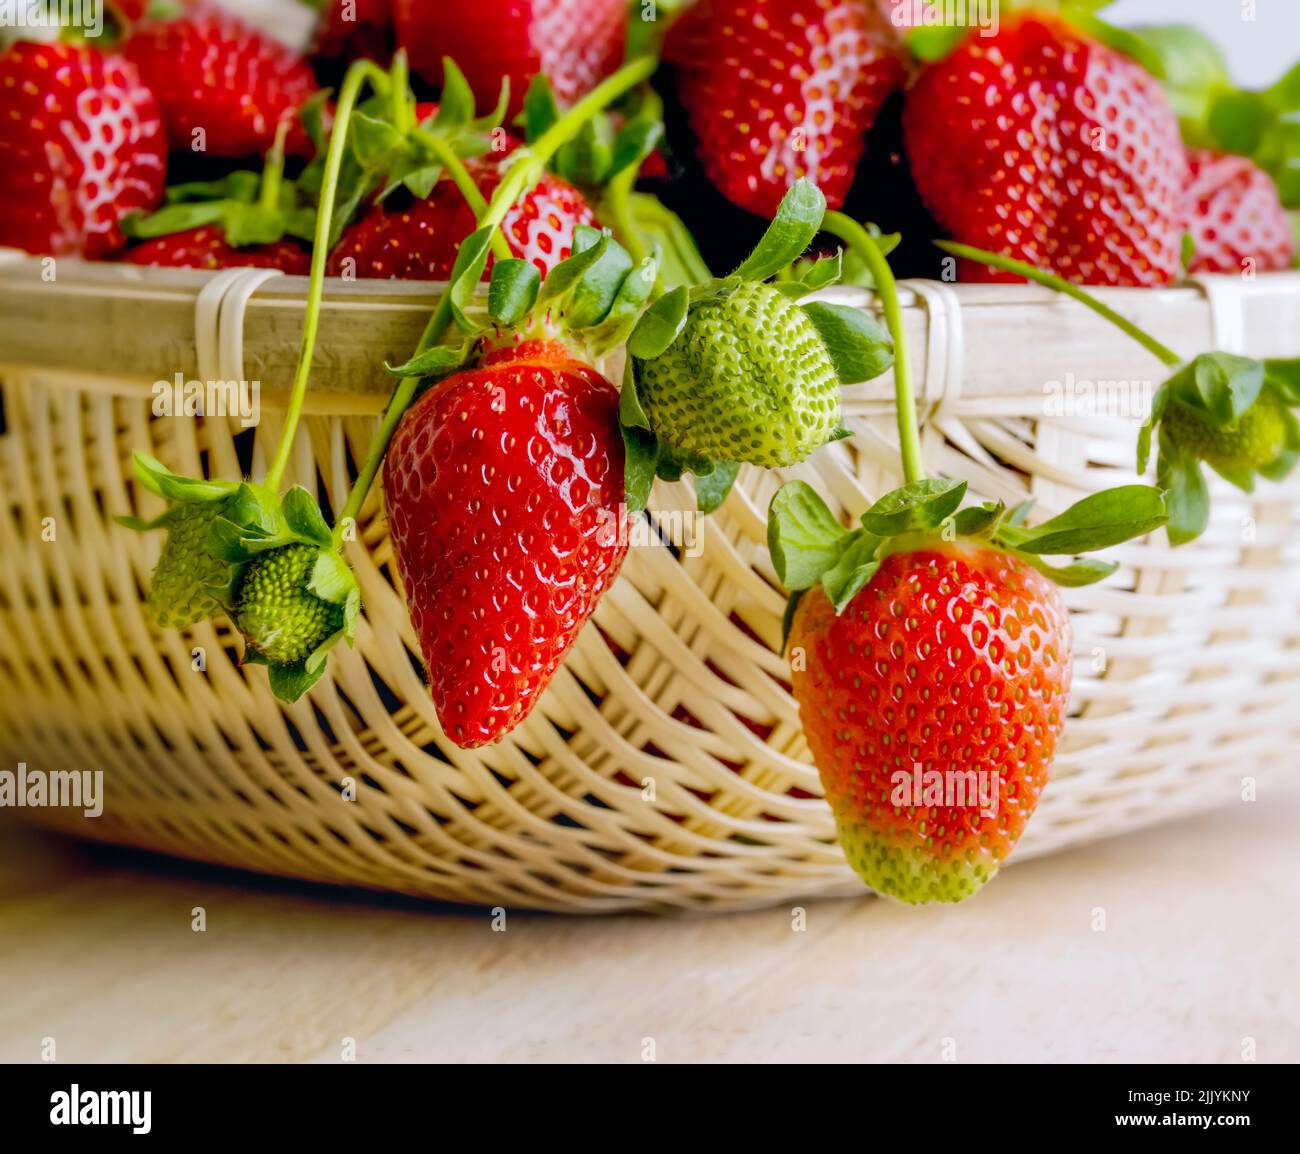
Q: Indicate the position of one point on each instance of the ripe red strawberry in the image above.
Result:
(575, 43)
(1048, 147)
(207, 247)
(212, 72)
(504, 491)
(956, 659)
(81, 146)
(406, 239)
(1234, 216)
(781, 90)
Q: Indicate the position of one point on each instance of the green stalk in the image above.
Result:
(521, 177)
(352, 84)
(860, 241)
(1060, 285)
(273, 170)
(400, 97)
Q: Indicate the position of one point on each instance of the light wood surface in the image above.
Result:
(1198, 953)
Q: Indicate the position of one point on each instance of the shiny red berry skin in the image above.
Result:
(213, 73)
(207, 248)
(504, 492)
(81, 147)
(954, 658)
(574, 43)
(1235, 216)
(418, 240)
(780, 90)
(1042, 145)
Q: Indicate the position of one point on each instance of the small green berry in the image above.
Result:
(181, 591)
(279, 616)
(1257, 440)
(747, 380)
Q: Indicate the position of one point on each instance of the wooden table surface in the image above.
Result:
(1198, 952)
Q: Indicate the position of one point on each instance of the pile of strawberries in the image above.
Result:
(537, 146)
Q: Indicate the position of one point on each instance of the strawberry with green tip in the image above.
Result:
(930, 652)
(735, 370)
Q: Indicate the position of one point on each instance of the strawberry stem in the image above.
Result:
(400, 96)
(860, 241)
(460, 176)
(273, 170)
(522, 176)
(1060, 285)
(356, 77)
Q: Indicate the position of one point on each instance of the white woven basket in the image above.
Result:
(665, 768)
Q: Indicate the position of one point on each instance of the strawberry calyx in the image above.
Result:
(391, 147)
(810, 547)
(689, 405)
(1231, 412)
(588, 304)
(250, 208)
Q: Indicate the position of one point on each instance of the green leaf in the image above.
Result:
(711, 489)
(630, 413)
(798, 219)
(661, 324)
(1227, 385)
(787, 618)
(641, 461)
(921, 505)
(1187, 498)
(1238, 121)
(1021, 512)
(979, 520)
(625, 312)
(663, 231)
(589, 245)
(1284, 375)
(290, 682)
(856, 566)
(467, 273)
(858, 346)
(1096, 522)
(636, 140)
(434, 362)
(1159, 403)
(303, 516)
(823, 272)
(1082, 571)
(595, 292)
(374, 142)
(332, 579)
(456, 98)
(540, 109)
(803, 536)
(513, 290)
(175, 218)
(154, 476)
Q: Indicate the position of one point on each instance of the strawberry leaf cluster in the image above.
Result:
(736, 371)
(809, 546)
(1230, 412)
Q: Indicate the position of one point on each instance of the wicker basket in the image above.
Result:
(665, 768)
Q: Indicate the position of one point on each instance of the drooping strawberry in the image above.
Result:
(246, 219)
(81, 147)
(930, 653)
(782, 90)
(404, 238)
(1230, 412)
(223, 87)
(504, 487)
(735, 371)
(1050, 147)
(1235, 218)
(576, 43)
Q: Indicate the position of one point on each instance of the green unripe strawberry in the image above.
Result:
(188, 577)
(748, 379)
(1258, 438)
(276, 611)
